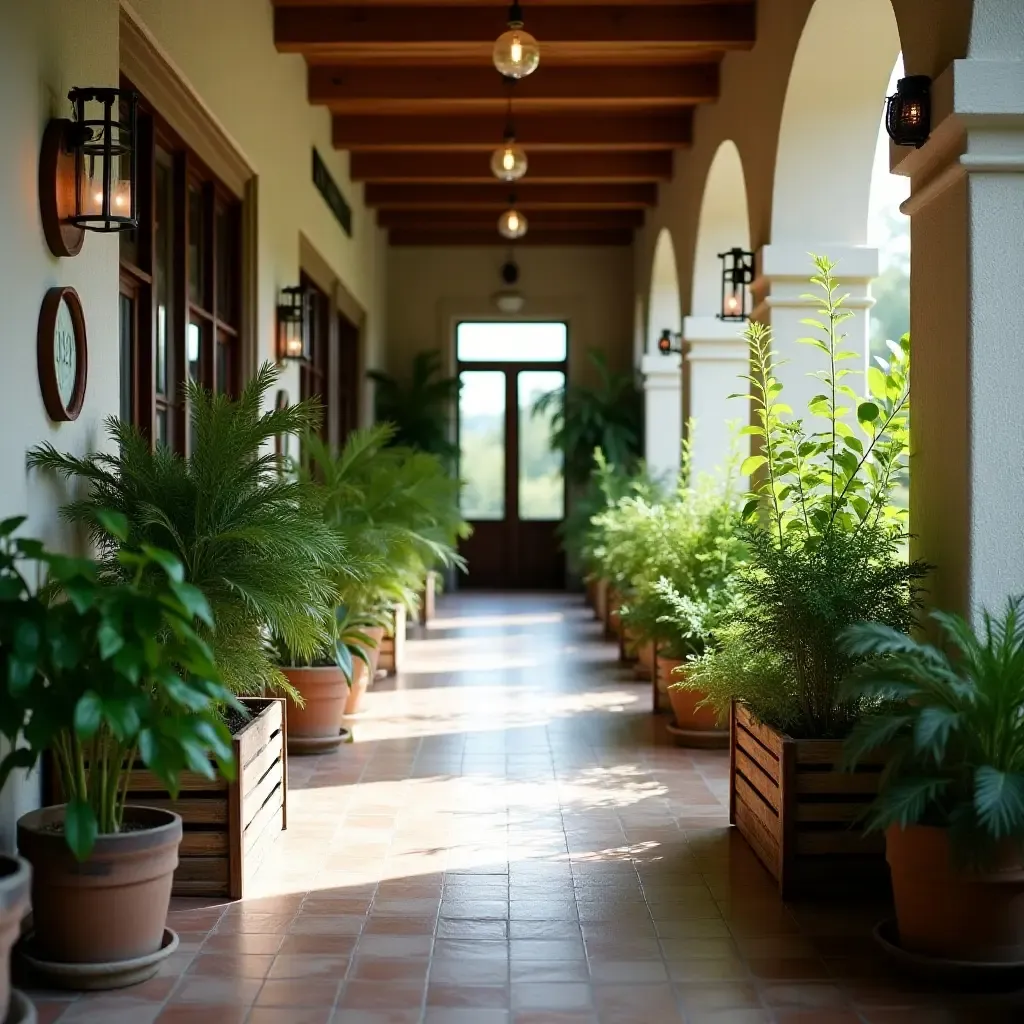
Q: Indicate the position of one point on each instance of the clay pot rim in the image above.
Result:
(106, 843)
(1011, 874)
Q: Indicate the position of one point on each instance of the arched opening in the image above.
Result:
(663, 308)
(723, 224)
(830, 123)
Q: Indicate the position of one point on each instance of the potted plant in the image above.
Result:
(15, 881)
(825, 551)
(951, 803)
(104, 670)
(257, 546)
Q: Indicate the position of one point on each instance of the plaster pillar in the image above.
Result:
(787, 297)
(663, 415)
(716, 356)
(967, 325)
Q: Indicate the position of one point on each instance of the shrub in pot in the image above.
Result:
(952, 800)
(825, 551)
(101, 671)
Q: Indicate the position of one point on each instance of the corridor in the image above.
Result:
(510, 840)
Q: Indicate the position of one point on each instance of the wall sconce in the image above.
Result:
(294, 319)
(737, 276)
(665, 343)
(908, 111)
(87, 169)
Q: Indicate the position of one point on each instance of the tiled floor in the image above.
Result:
(510, 841)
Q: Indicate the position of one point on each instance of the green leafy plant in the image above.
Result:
(952, 727)
(102, 672)
(609, 416)
(421, 410)
(824, 538)
(253, 540)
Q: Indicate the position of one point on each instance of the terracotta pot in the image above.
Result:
(324, 691)
(952, 913)
(360, 684)
(644, 668)
(613, 623)
(684, 707)
(375, 633)
(601, 600)
(666, 668)
(15, 882)
(112, 907)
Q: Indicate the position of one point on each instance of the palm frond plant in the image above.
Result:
(420, 409)
(823, 535)
(254, 541)
(609, 416)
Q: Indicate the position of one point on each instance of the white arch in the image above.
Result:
(724, 222)
(830, 121)
(663, 307)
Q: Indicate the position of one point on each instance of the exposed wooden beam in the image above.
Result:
(501, 5)
(544, 167)
(418, 90)
(538, 132)
(417, 32)
(452, 220)
(494, 196)
(491, 238)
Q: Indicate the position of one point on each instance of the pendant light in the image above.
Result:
(512, 224)
(516, 53)
(508, 161)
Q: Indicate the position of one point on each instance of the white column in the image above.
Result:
(716, 356)
(784, 286)
(967, 325)
(663, 414)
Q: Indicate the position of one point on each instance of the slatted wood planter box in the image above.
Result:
(392, 647)
(800, 814)
(228, 826)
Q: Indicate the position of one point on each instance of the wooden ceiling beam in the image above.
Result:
(340, 31)
(494, 196)
(490, 237)
(419, 90)
(501, 5)
(544, 167)
(537, 132)
(451, 220)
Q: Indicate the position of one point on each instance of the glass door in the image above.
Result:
(514, 491)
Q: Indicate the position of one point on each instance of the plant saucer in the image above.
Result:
(964, 974)
(302, 745)
(22, 1010)
(702, 739)
(90, 977)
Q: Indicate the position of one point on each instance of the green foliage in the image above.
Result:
(609, 416)
(952, 727)
(254, 541)
(395, 512)
(101, 672)
(421, 410)
(823, 535)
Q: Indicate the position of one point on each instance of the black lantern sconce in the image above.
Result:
(294, 321)
(669, 343)
(737, 276)
(908, 111)
(87, 169)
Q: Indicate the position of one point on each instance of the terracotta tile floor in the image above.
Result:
(510, 841)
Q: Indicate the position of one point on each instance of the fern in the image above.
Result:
(254, 542)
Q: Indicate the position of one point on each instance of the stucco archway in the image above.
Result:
(663, 306)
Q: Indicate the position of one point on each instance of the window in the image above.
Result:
(522, 342)
(180, 286)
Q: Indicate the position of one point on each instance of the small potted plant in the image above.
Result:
(825, 550)
(102, 671)
(952, 802)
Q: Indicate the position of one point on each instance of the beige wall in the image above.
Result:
(224, 52)
(428, 289)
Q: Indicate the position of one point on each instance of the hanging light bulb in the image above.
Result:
(508, 162)
(512, 224)
(516, 53)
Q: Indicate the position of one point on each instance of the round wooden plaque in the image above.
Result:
(63, 354)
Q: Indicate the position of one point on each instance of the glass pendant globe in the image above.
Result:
(512, 224)
(508, 162)
(516, 53)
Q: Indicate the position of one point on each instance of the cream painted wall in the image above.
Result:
(592, 288)
(225, 52)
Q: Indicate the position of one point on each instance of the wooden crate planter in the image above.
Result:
(228, 826)
(800, 814)
(392, 647)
